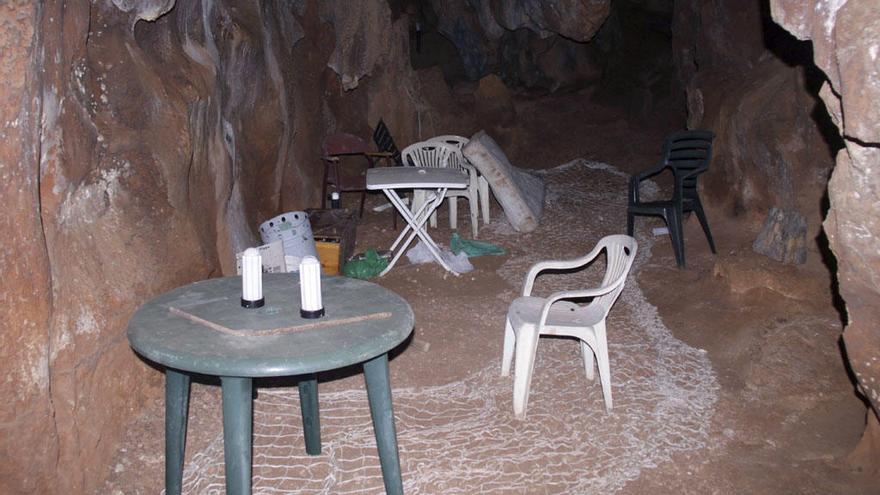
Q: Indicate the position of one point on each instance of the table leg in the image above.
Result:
(176, 410)
(379, 394)
(413, 217)
(416, 224)
(238, 404)
(308, 403)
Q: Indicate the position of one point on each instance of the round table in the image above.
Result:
(202, 328)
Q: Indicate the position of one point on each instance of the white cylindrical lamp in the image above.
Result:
(252, 279)
(311, 305)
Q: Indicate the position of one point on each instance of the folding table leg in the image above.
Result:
(429, 242)
(415, 223)
(398, 203)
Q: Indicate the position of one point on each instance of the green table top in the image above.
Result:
(208, 331)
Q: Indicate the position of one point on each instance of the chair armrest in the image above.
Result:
(691, 173)
(637, 178)
(570, 294)
(539, 267)
(656, 169)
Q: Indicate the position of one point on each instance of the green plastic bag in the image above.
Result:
(367, 266)
(473, 248)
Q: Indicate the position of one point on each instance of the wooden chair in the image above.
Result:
(385, 143)
(346, 148)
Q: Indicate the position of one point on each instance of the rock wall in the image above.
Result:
(142, 141)
(753, 87)
(530, 43)
(781, 129)
(28, 442)
(846, 40)
(617, 51)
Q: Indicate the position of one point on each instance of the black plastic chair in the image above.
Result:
(385, 143)
(687, 154)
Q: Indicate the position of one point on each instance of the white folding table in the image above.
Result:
(390, 179)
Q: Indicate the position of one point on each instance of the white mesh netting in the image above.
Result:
(462, 438)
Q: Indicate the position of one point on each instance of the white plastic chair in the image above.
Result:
(530, 317)
(459, 142)
(439, 154)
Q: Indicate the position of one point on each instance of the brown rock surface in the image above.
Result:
(574, 19)
(846, 37)
(769, 151)
(142, 141)
(28, 444)
(751, 98)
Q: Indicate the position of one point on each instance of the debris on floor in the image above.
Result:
(472, 247)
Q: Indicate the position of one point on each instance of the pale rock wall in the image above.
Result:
(846, 41)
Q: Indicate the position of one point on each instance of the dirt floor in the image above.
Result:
(781, 412)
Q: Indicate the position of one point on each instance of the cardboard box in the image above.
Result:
(334, 232)
(328, 255)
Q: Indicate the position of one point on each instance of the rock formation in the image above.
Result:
(769, 151)
(775, 146)
(142, 142)
(846, 40)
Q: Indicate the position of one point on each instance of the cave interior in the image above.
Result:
(145, 141)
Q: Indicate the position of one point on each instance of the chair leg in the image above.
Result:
(526, 346)
(417, 200)
(453, 212)
(604, 365)
(393, 218)
(673, 221)
(701, 216)
(630, 223)
(509, 345)
(363, 197)
(484, 198)
(589, 361)
(473, 204)
(324, 186)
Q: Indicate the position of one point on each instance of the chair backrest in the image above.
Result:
(620, 252)
(385, 143)
(431, 154)
(457, 141)
(343, 143)
(688, 153)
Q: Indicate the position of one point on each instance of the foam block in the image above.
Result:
(520, 193)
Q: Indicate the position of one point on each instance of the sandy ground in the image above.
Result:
(784, 414)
